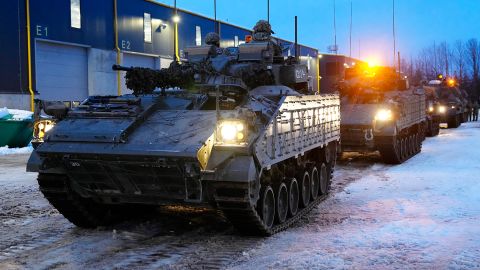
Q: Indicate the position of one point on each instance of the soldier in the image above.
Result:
(469, 110)
(213, 39)
(262, 31)
(475, 110)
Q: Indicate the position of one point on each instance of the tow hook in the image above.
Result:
(368, 134)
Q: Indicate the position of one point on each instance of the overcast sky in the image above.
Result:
(418, 22)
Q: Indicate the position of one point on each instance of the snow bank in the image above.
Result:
(20, 114)
(15, 151)
(3, 112)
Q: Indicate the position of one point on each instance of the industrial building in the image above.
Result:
(65, 49)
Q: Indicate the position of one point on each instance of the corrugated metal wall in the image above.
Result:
(50, 21)
(13, 59)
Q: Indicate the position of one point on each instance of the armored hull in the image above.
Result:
(452, 101)
(243, 140)
(162, 155)
(397, 138)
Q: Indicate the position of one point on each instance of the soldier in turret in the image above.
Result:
(213, 39)
(262, 32)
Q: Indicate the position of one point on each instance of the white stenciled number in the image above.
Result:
(300, 73)
(126, 44)
(41, 31)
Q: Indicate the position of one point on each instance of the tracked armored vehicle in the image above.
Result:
(380, 113)
(435, 112)
(451, 100)
(233, 130)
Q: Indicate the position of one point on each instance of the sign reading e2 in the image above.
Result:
(126, 44)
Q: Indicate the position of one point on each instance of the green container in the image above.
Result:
(15, 133)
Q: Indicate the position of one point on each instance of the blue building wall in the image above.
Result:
(130, 28)
(228, 33)
(50, 20)
(13, 57)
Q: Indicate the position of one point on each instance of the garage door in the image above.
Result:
(136, 60)
(61, 72)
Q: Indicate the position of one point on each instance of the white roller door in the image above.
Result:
(61, 71)
(136, 60)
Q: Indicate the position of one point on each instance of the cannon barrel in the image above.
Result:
(121, 68)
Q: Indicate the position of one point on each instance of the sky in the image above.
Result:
(419, 23)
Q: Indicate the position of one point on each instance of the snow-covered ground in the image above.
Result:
(4, 150)
(424, 214)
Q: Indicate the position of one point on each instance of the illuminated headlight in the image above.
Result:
(453, 107)
(231, 132)
(430, 109)
(41, 127)
(442, 109)
(384, 115)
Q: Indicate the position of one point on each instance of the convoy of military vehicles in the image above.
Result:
(236, 130)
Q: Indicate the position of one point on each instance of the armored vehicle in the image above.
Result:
(380, 112)
(233, 130)
(435, 112)
(451, 101)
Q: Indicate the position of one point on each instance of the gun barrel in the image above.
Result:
(121, 68)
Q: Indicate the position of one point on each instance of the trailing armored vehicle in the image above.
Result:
(452, 101)
(380, 112)
(242, 135)
(435, 112)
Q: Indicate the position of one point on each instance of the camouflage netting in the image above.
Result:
(212, 39)
(262, 31)
(145, 81)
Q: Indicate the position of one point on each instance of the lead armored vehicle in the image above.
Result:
(381, 113)
(234, 130)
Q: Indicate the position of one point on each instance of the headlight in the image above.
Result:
(430, 109)
(442, 109)
(453, 107)
(41, 127)
(231, 132)
(384, 115)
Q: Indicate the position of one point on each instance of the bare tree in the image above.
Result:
(473, 56)
(444, 56)
(459, 58)
(473, 59)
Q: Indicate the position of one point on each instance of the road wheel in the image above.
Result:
(416, 145)
(333, 149)
(412, 145)
(315, 180)
(293, 197)
(305, 187)
(282, 203)
(403, 148)
(267, 207)
(324, 180)
(408, 142)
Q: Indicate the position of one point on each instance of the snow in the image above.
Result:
(3, 112)
(20, 114)
(422, 214)
(15, 151)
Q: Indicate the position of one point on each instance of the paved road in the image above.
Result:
(422, 214)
